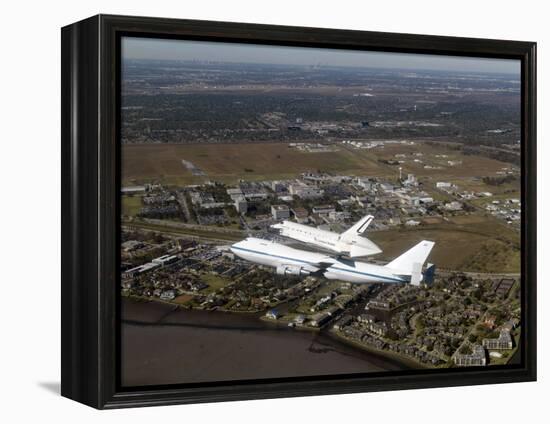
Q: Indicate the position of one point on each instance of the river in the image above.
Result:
(164, 345)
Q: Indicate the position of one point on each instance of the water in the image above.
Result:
(163, 345)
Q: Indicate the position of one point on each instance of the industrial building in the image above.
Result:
(280, 212)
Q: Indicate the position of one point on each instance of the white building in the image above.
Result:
(453, 206)
(165, 260)
(241, 205)
(133, 190)
(323, 209)
(280, 212)
(304, 191)
(411, 180)
(365, 183)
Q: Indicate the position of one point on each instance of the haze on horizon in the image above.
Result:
(161, 49)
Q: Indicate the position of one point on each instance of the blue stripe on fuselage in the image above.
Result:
(398, 280)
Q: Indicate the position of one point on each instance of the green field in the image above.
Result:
(214, 282)
(131, 205)
(481, 245)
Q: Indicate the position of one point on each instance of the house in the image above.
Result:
(453, 206)
(380, 328)
(320, 319)
(343, 322)
(339, 216)
(502, 342)
(300, 319)
(323, 209)
(272, 314)
(300, 215)
(475, 359)
(131, 245)
(168, 295)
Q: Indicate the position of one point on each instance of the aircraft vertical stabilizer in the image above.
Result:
(359, 227)
(408, 262)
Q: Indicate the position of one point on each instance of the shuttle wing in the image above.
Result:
(368, 248)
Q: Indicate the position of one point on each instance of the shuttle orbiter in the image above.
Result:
(349, 243)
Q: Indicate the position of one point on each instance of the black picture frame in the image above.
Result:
(90, 209)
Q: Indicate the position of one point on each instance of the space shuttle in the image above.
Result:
(405, 269)
(350, 243)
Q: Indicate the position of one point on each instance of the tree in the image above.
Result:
(465, 350)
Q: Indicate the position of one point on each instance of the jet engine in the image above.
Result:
(291, 270)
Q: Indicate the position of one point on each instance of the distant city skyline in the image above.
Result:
(161, 49)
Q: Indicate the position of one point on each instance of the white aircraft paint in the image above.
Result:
(349, 243)
(289, 261)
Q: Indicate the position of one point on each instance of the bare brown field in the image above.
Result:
(476, 185)
(481, 245)
(471, 165)
(230, 162)
(468, 219)
(182, 299)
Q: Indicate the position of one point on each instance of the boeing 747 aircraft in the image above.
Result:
(406, 268)
(349, 243)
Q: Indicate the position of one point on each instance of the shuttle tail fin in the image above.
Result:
(359, 227)
(411, 262)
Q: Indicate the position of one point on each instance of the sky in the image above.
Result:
(159, 49)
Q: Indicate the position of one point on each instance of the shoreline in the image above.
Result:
(394, 358)
(405, 360)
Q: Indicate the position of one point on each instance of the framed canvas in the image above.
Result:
(253, 211)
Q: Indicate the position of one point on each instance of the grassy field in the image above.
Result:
(131, 205)
(256, 161)
(471, 243)
(214, 282)
(231, 162)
